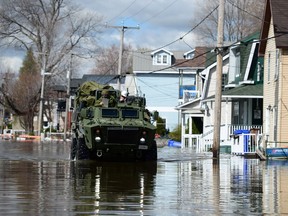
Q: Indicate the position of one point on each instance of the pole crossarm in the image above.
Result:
(122, 28)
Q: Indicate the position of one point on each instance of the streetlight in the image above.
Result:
(43, 73)
(67, 98)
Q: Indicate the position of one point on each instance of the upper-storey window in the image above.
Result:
(164, 58)
(161, 57)
(190, 54)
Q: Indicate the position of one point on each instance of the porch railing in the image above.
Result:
(203, 142)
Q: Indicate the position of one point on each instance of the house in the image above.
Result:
(274, 49)
(242, 96)
(168, 78)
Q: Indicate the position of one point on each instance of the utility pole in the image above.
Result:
(43, 70)
(67, 98)
(123, 28)
(218, 90)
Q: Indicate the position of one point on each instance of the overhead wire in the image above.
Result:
(181, 38)
(139, 11)
(223, 47)
(157, 14)
(123, 11)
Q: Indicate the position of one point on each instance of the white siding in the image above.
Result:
(161, 92)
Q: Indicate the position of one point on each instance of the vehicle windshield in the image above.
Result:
(130, 113)
(110, 113)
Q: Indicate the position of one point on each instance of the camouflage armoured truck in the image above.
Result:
(106, 129)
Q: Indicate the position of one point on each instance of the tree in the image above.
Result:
(53, 29)
(21, 93)
(242, 17)
(107, 61)
(161, 129)
(175, 134)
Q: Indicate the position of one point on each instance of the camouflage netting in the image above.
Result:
(86, 92)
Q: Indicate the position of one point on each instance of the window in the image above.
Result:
(277, 59)
(161, 59)
(158, 59)
(110, 113)
(164, 59)
(130, 113)
(268, 68)
(190, 55)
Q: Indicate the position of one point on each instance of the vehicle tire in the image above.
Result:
(73, 149)
(151, 154)
(82, 153)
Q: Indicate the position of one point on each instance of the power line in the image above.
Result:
(123, 11)
(164, 9)
(181, 38)
(139, 11)
(239, 8)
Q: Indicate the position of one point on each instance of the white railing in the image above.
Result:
(203, 142)
(245, 143)
(189, 95)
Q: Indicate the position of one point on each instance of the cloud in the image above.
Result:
(161, 21)
(11, 59)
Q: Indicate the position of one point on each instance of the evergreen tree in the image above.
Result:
(22, 96)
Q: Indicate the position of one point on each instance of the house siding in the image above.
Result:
(283, 102)
(162, 92)
(275, 122)
(269, 86)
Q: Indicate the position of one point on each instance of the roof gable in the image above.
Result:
(161, 51)
(276, 11)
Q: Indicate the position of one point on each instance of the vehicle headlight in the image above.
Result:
(142, 140)
(97, 139)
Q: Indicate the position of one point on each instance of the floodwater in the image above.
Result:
(39, 179)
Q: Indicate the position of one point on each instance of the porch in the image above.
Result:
(242, 139)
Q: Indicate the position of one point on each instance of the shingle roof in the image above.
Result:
(279, 13)
(102, 79)
(247, 91)
(198, 61)
(278, 10)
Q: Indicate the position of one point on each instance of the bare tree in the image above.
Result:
(106, 62)
(20, 94)
(54, 29)
(242, 17)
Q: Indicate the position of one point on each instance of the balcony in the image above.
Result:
(189, 95)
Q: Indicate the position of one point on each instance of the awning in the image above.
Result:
(247, 91)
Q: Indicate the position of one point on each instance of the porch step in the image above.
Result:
(260, 154)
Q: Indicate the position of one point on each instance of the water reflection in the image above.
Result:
(39, 179)
(113, 187)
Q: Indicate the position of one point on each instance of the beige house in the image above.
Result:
(274, 48)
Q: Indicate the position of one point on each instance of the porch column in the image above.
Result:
(190, 131)
(226, 120)
(182, 130)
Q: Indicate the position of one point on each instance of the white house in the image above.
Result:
(167, 78)
(242, 96)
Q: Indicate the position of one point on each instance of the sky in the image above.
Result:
(160, 22)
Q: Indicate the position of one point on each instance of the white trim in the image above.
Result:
(162, 109)
(159, 50)
(241, 96)
(230, 85)
(208, 70)
(164, 72)
(247, 82)
(252, 51)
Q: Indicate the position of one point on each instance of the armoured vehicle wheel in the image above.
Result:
(151, 155)
(73, 149)
(82, 152)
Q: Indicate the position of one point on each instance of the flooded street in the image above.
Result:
(39, 179)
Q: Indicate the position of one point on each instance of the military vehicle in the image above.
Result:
(107, 129)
